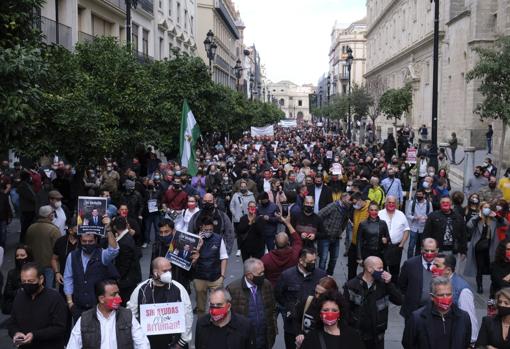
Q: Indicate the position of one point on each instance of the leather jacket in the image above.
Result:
(370, 235)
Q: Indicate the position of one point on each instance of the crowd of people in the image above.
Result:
(283, 204)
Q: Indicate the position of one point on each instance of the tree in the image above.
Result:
(361, 101)
(394, 102)
(376, 89)
(494, 74)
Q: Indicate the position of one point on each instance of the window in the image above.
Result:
(281, 102)
(185, 19)
(134, 36)
(145, 42)
(170, 5)
(161, 48)
(178, 12)
(160, 4)
(100, 27)
(170, 52)
(191, 24)
(300, 103)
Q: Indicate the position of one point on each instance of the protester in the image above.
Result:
(161, 288)
(417, 212)
(22, 255)
(373, 236)
(27, 203)
(62, 248)
(252, 297)
(308, 224)
(494, 330)
(223, 328)
(321, 194)
(250, 233)
(39, 315)
(107, 325)
(500, 269)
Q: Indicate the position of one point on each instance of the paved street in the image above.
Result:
(393, 335)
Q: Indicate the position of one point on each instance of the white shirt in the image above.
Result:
(60, 220)
(466, 302)
(108, 333)
(223, 250)
(267, 185)
(397, 224)
(182, 224)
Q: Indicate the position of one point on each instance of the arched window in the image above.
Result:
(282, 102)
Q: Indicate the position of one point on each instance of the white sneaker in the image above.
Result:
(238, 253)
(144, 245)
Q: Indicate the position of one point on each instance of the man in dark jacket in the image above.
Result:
(27, 203)
(222, 328)
(128, 260)
(440, 323)
(285, 255)
(415, 278)
(252, 297)
(447, 227)
(369, 295)
(295, 285)
(308, 224)
(269, 219)
(321, 194)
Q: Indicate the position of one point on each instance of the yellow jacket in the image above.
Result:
(358, 217)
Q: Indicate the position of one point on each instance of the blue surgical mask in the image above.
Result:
(486, 211)
(377, 275)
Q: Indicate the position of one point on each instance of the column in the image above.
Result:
(469, 164)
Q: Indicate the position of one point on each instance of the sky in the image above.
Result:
(293, 36)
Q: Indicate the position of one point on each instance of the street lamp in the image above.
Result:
(348, 61)
(329, 86)
(252, 79)
(238, 70)
(210, 48)
(435, 82)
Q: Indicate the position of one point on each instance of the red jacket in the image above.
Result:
(276, 261)
(175, 200)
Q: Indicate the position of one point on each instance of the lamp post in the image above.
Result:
(252, 79)
(348, 61)
(435, 82)
(210, 49)
(238, 71)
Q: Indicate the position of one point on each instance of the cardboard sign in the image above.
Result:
(179, 251)
(411, 155)
(90, 215)
(162, 318)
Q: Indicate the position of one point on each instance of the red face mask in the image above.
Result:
(443, 303)
(218, 314)
(391, 206)
(113, 303)
(373, 214)
(123, 213)
(507, 254)
(252, 210)
(330, 317)
(191, 205)
(436, 271)
(445, 206)
(429, 256)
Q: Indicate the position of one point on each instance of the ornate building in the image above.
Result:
(292, 99)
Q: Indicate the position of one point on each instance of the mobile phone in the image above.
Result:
(285, 210)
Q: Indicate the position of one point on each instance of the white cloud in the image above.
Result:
(293, 36)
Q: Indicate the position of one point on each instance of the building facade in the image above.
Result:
(292, 99)
(352, 36)
(221, 17)
(400, 48)
(159, 28)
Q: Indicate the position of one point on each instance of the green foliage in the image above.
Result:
(394, 102)
(337, 109)
(494, 72)
(361, 101)
(17, 19)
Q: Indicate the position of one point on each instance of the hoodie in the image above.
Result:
(280, 259)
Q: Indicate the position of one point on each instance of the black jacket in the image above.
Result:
(490, 333)
(435, 228)
(410, 282)
(325, 198)
(293, 287)
(370, 234)
(419, 333)
(349, 338)
(240, 334)
(498, 272)
(369, 306)
(128, 263)
(12, 285)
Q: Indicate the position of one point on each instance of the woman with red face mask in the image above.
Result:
(250, 233)
(484, 241)
(373, 235)
(332, 331)
(500, 269)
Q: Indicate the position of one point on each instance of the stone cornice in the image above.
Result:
(381, 16)
(465, 13)
(404, 53)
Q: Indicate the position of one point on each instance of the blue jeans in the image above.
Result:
(152, 220)
(414, 244)
(269, 239)
(348, 233)
(331, 247)
(3, 233)
(49, 277)
(489, 145)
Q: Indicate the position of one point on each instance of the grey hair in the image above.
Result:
(226, 294)
(438, 281)
(250, 264)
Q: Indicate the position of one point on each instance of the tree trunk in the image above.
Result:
(502, 147)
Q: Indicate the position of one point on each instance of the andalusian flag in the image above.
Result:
(189, 137)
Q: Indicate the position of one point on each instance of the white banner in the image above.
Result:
(262, 131)
(288, 123)
(162, 318)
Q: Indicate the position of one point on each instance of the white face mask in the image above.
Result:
(166, 277)
(58, 204)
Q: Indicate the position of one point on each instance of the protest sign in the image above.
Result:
(90, 215)
(179, 251)
(411, 155)
(162, 318)
(262, 131)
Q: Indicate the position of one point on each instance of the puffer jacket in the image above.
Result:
(370, 235)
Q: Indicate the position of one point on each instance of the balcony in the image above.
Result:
(147, 5)
(84, 37)
(119, 4)
(54, 34)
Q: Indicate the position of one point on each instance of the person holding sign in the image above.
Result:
(108, 325)
(160, 290)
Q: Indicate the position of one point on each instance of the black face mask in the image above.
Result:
(477, 174)
(310, 267)
(30, 289)
(503, 311)
(308, 209)
(244, 191)
(420, 198)
(258, 280)
(208, 206)
(88, 249)
(20, 262)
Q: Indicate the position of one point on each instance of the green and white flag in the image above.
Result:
(189, 137)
